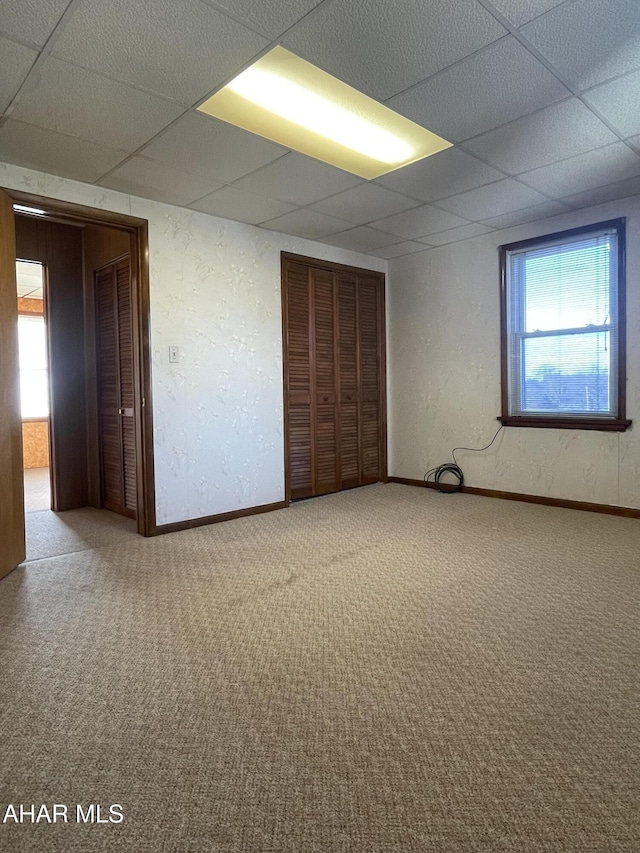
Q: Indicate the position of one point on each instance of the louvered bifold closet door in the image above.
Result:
(125, 363)
(114, 357)
(348, 374)
(325, 415)
(299, 380)
(369, 369)
(112, 476)
(333, 320)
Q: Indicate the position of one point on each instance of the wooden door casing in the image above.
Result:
(12, 540)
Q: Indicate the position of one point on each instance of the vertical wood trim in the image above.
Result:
(284, 302)
(12, 541)
(622, 318)
(504, 344)
(382, 377)
(143, 408)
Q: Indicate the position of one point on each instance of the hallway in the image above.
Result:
(51, 534)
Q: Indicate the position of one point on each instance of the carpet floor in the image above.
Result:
(385, 670)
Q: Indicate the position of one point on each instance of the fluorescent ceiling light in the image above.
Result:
(34, 211)
(291, 102)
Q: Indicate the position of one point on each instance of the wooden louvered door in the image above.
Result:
(361, 411)
(334, 378)
(114, 358)
(369, 378)
(324, 411)
(348, 364)
(299, 381)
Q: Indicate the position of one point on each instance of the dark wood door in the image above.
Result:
(114, 359)
(325, 386)
(12, 541)
(334, 378)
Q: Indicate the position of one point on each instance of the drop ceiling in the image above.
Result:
(29, 280)
(540, 97)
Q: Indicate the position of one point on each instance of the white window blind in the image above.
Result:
(562, 327)
(34, 386)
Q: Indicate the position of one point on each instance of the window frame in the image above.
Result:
(618, 423)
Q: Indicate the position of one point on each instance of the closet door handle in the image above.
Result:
(121, 411)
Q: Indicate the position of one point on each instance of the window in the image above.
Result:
(34, 389)
(563, 323)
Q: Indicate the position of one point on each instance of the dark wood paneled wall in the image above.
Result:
(101, 246)
(59, 247)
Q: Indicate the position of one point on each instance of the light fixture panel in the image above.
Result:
(290, 101)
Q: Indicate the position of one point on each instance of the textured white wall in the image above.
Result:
(214, 293)
(444, 375)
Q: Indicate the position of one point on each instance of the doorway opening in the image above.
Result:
(34, 385)
(67, 245)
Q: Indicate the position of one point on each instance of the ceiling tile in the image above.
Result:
(484, 202)
(359, 239)
(269, 17)
(178, 48)
(363, 203)
(382, 48)
(589, 41)
(554, 133)
(446, 173)
(397, 250)
(28, 290)
(454, 235)
(150, 179)
(420, 222)
(47, 151)
(530, 214)
(600, 195)
(31, 21)
(15, 62)
(82, 103)
(619, 102)
(521, 11)
(232, 203)
(306, 223)
(488, 89)
(606, 165)
(205, 145)
(298, 180)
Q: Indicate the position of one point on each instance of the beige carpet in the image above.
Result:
(37, 490)
(51, 534)
(386, 670)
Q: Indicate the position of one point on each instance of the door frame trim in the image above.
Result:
(382, 337)
(138, 230)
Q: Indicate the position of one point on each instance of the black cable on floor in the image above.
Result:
(453, 469)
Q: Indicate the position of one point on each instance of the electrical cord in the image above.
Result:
(454, 469)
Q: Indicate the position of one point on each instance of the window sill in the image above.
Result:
(43, 419)
(602, 424)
